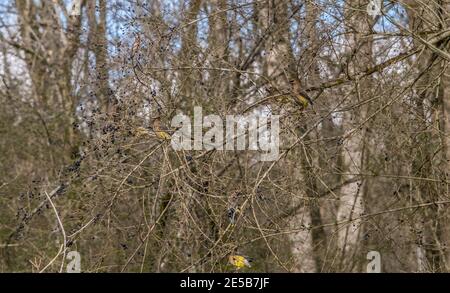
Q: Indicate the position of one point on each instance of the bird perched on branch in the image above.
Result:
(300, 96)
(159, 130)
(295, 95)
(240, 261)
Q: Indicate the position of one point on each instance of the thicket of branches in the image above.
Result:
(366, 167)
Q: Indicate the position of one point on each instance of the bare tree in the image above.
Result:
(86, 162)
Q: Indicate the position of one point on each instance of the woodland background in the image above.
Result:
(366, 167)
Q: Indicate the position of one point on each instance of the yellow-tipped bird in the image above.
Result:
(302, 101)
(300, 97)
(239, 261)
(296, 95)
(159, 132)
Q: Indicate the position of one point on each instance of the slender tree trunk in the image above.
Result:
(352, 196)
(319, 239)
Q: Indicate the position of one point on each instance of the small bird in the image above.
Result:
(159, 132)
(142, 131)
(303, 101)
(296, 95)
(239, 261)
(300, 96)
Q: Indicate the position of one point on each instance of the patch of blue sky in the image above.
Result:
(391, 11)
(202, 29)
(9, 30)
(243, 15)
(332, 14)
(389, 39)
(9, 16)
(295, 31)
